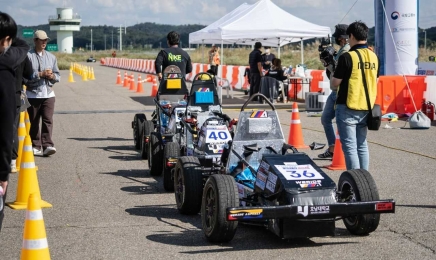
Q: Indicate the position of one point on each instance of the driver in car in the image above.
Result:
(173, 55)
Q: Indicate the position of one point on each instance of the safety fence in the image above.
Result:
(393, 95)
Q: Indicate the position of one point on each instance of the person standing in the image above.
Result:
(23, 73)
(173, 55)
(351, 103)
(216, 60)
(267, 58)
(12, 52)
(328, 114)
(41, 95)
(255, 61)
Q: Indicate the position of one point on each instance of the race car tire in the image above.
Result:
(188, 185)
(171, 149)
(220, 192)
(358, 185)
(138, 120)
(155, 154)
(147, 128)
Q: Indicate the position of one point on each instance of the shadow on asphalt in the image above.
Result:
(154, 186)
(100, 139)
(144, 100)
(417, 206)
(247, 237)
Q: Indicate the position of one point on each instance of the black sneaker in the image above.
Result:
(326, 154)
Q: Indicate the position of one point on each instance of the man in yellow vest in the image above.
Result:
(351, 103)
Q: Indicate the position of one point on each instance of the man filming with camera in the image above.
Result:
(329, 57)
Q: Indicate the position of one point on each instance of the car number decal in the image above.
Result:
(299, 172)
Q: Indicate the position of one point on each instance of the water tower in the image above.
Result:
(65, 22)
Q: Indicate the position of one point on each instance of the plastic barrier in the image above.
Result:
(317, 76)
(394, 97)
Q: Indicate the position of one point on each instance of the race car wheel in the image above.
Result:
(188, 185)
(358, 185)
(155, 154)
(147, 128)
(220, 192)
(171, 149)
(138, 119)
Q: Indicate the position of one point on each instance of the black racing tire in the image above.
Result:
(138, 120)
(188, 185)
(358, 185)
(155, 154)
(171, 149)
(147, 128)
(220, 192)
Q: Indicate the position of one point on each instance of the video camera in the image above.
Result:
(326, 52)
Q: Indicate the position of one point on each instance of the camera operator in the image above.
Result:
(330, 58)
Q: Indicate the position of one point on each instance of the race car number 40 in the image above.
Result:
(299, 172)
(213, 136)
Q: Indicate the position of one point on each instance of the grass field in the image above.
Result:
(290, 55)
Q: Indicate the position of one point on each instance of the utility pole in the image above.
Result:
(105, 42)
(425, 40)
(91, 41)
(121, 35)
(112, 46)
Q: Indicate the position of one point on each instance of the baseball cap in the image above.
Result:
(40, 34)
(341, 31)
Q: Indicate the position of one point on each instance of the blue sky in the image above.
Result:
(130, 12)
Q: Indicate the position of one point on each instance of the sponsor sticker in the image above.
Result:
(382, 206)
(314, 210)
(264, 165)
(245, 214)
(270, 186)
(309, 184)
(303, 210)
(259, 114)
(272, 178)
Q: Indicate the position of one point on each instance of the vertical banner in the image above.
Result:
(402, 17)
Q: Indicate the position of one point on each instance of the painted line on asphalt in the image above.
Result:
(102, 112)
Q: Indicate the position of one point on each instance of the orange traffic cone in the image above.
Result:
(27, 123)
(154, 88)
(126, 80)
(338, 162)
(148, 79)
(35, 244)
(27, 179)
(22, 132)
(295, 132)
(118, 78)
(132, 82)
(139, 88)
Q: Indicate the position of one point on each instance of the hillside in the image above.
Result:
(151, 35)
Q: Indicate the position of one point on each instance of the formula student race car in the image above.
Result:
(206, 131)
(262, 180)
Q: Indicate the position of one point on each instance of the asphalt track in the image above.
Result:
(107, 206)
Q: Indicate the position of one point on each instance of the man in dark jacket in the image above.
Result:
(255, 61)
(12, 52)
(173, 55)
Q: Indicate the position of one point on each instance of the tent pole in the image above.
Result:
(222, 56)
(302, 51)
(202, 51)
(278, 46)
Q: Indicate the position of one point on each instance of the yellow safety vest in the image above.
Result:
(356, 98)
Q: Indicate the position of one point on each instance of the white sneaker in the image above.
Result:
(49, 151)
(36, 151)
(14, 166)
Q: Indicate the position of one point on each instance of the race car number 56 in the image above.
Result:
(299, 172)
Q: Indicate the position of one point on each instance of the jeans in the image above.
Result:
(326, 118)
(352, 133)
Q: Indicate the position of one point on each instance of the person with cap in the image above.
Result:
(173, 55)
(12, 53)
(328, 114)
(267, 58)
(255, 61)
(352, 104)
(41, 95)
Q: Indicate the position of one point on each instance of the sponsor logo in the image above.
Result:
(382, 206)
(264, 165)
(403, 43)
(395, 15)
(396, 29)
(429, 72)
(407, 15)
(176, 58)
(319, 210)
(259, 114)
(245, 214)
(366, 65)
(309, 184)
(303, 210)
(203, 90)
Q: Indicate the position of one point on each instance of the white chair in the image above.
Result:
(224, 84)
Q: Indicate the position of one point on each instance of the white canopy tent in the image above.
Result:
(260, 22)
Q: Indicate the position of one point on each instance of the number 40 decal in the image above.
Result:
(221, 135)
